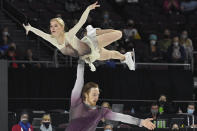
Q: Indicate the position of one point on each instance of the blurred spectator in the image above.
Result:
(186, 42)
(5, 32)
(154, 55)
(107, 22)
(4, 44)
(192, 119)
(46, 123)
(188, 6)
(24, 124)
(191, 108)
(106, 105)
(12, 44)
(171, 6)
(175, 127)
(71, 6)
(162, 103)
(162, 99)
(165, 43)
(29, 57)
(176, 52)
(131, 32)
(166, 106)
(103, 121)
(154, 111)
(108, 127)
(11, 55)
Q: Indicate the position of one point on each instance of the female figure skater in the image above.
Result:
(85, 114)
(91, 47)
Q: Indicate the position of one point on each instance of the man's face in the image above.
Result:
(176, 39)
(108, 128)
(154, 109)
(191, 107)
(167, 32)
(92, 96)
(24, 118)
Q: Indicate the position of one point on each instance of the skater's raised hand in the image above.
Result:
(27, 28)
(93, 6)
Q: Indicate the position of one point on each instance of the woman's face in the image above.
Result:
(46, 120)
(56, 29)
(105, 104)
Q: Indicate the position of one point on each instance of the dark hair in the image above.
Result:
(24, 113)
(87, 87)
(154, 104)
(11, 49)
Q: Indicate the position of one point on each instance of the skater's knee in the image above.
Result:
(119, 34)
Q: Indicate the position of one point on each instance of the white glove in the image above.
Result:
(92, 67)
(27, 28)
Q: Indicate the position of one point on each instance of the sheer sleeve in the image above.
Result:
(45, 36)
(110, 115)
(76, 92)
(72, 32)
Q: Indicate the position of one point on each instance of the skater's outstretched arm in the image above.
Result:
(40, 33)
(129, 119)
(72, 32)
(76, 92)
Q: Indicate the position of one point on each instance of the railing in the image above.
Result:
(32, 62)
(109, 100)
(71, 63)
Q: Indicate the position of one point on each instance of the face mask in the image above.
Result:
(176, 43)
(162, 102)
(106, 16)
(107, 130)
(46, 124)
(5, 33)
(154, 112)
(152, 42)
(184, 36)
(190, 111)
(130, 25)
(24, 121)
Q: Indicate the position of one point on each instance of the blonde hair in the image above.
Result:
(59, 20)
(46, 117)
(107, 103)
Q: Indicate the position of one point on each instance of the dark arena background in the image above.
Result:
(35, 77)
